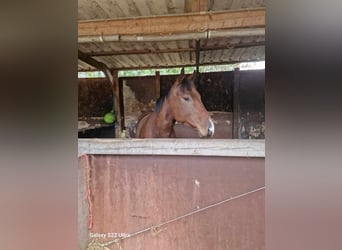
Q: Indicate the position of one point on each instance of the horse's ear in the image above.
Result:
(181, 76)
(192, 76)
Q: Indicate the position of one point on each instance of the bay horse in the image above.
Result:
(182, 104)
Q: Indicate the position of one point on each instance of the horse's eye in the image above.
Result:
(186, 98)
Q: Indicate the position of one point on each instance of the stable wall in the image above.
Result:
(216, 89)
(95, 97)
(129, 185)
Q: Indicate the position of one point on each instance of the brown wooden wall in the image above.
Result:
(95, 97)
(216, 89)
(252, 91)
(130, 193)
(143, 87)
(252, 104)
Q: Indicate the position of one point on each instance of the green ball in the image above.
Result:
(109, 117)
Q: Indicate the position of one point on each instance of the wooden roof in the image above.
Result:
(132, 34)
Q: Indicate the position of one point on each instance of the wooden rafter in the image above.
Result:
(96, 64)
(166, 25)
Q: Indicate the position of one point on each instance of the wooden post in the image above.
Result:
(116, 103)
(112, 77)
(198, 51)
(157, 82)
(236, 104)
(122, 107)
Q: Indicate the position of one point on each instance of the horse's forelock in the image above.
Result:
(186, 84)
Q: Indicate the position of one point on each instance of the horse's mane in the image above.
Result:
(159, 103)
(186, 84)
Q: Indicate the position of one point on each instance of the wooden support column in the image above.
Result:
(236, 103)
(121, 102)
(116, 103)
(112, 77)
(198, 51)
(157, 86)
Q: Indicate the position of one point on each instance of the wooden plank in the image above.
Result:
(90, 123)
(236, 104)
(210, 147)
(203, 5)
(195, 22)
(188, 6)
(158, 66)
(132, 193)
(195, 5)
(83, 206)
(175, 66)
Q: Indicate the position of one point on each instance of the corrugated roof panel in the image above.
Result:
(101, 9)
(82, 66)
(236, 4)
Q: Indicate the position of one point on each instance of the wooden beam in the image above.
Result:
(194, 22)
(99, 65)
(179, 50)
(179, 146)
(177, 66)
(183, 65)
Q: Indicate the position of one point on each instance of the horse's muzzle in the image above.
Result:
(211, 128)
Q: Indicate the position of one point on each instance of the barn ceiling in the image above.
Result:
(131, 34)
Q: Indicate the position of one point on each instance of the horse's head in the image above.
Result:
(187, 107)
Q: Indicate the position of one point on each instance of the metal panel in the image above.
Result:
(181, 59)
(224, 52)
(235, 4)
(130, 193)
(114, 9)
(101, 9)
(82, 66)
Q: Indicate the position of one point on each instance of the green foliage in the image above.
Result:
(176, 71)
(151, 72)
(91, 74)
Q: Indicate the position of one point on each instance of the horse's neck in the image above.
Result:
(165, 120)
